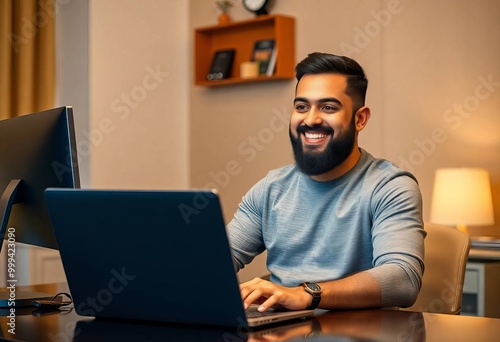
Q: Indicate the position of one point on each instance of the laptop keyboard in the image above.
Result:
(255, 314)
(252, 312)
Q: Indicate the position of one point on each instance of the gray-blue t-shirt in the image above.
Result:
(368, 219)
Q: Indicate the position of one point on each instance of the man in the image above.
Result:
(342, 229)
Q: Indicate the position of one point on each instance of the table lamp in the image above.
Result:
(461, 197)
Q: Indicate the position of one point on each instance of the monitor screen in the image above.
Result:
(37, 151)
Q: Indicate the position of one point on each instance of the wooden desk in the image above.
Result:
(359, 325)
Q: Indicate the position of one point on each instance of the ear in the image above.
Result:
(361, 118)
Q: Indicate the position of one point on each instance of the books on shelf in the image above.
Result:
(265, 52)
(485, 242)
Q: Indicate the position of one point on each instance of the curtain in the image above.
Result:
(27, 56)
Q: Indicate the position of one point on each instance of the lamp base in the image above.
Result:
(463, 228)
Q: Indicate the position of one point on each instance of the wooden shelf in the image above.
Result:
(241, 36)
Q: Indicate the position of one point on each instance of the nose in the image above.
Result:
(313, 118)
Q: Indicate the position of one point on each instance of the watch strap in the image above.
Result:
(315, 301)
(316, 296)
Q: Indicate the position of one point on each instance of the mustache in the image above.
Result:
(322, 129)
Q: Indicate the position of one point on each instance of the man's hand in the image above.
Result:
(268, 294)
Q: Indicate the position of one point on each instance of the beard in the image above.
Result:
(337, 150)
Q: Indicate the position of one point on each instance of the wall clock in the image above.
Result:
(256, 6)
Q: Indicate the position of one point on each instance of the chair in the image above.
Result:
(446, 252)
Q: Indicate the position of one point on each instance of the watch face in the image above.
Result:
(313, 287)
(254, 5)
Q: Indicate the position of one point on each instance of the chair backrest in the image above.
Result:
(446, 252)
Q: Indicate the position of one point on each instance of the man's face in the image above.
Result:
(322, 126)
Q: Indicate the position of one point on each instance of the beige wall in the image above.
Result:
(132, 100)
(425, 61)
(139, 88)
(72, 69)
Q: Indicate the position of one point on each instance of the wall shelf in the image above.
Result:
(241, 36)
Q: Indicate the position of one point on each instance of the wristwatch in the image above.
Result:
(315, 291)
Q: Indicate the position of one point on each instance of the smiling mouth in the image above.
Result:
(315, 138)
(310, 135)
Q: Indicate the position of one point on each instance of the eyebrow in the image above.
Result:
(319, 101)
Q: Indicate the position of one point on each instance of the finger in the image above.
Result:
(254, 296)
(253, 282)
(269, 302)
(249, 286)
(268, 295)
(246, 290)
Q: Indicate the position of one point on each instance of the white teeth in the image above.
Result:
(314, 135)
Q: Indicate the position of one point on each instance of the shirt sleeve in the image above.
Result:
(398, 241)
(245, 228)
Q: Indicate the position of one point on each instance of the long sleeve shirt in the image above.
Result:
(369, 219)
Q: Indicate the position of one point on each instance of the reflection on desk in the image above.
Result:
(355, 325)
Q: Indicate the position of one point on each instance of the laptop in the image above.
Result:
(160, 256)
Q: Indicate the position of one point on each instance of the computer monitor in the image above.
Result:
(37, 151)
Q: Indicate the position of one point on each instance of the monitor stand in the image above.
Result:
(10, 297)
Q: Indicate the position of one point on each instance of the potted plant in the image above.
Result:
(224, 6)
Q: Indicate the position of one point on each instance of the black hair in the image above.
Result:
(326, 63)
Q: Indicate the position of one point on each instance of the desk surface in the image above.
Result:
(359, 325)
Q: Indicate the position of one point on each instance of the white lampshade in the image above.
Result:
(461, 197)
